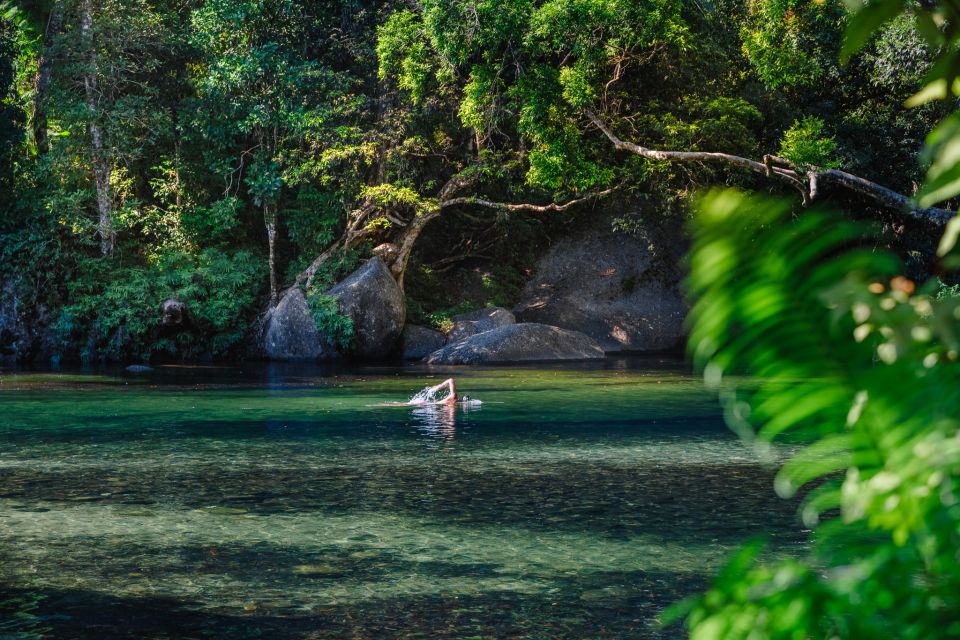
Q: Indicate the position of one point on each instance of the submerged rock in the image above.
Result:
(524, 342)
(372, 299)
(139, 368)
(619, 289)
(418, 342)
(474, 322)
(290, 332)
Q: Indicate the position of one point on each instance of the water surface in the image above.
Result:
(277, 502)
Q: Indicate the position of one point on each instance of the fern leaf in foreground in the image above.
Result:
(861, 369)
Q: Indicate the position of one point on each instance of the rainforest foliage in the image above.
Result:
(212, 150)
(217, 151)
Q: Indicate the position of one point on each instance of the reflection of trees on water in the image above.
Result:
(439, 420)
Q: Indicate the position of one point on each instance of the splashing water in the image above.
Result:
(428, 394)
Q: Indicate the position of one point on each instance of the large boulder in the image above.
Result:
(524, 342)
(474, 322)
(290, 332)
(619, 289)
(418, 342)
(372, 299)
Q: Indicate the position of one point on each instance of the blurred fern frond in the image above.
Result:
(858, 365)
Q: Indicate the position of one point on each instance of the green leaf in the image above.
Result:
(928, 28)
(935, 90)
(943, 151)
(949, 239)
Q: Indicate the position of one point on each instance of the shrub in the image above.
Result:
(332, 325)
(114, 312)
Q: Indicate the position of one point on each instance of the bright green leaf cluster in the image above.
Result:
(806, 146)
(788, 41)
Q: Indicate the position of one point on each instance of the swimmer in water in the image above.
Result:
(451, 398)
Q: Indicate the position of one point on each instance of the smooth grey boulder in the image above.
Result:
(524, 342)
(619, 289)
(290, 332)
(474, 322)
(372, 299)
(418, 342)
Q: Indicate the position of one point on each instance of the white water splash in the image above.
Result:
(428, 394)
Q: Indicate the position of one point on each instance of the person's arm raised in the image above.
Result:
(450, 385)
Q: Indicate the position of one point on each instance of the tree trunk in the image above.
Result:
(54, 24)
(101, 175)
(270, 220)
(406, 242)
(101, 167)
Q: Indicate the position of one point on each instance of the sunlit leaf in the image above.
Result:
(949, 239)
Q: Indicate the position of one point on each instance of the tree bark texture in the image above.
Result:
(101, 165)
(42, 84)
(270, 221)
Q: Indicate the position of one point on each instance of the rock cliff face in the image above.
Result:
(369, 296)
(26, 334)
(613, 287)
(525, 342)
(372, 298)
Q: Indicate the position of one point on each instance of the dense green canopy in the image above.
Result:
(213, 150)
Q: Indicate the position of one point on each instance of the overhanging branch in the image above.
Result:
(535, 208)
(357, 231)
(772, 167)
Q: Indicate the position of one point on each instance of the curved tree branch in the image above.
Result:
(356, 230)
(416, 225)
(882, 195)
(535, 208)
(773, 167)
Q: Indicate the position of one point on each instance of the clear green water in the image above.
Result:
(577, 502)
